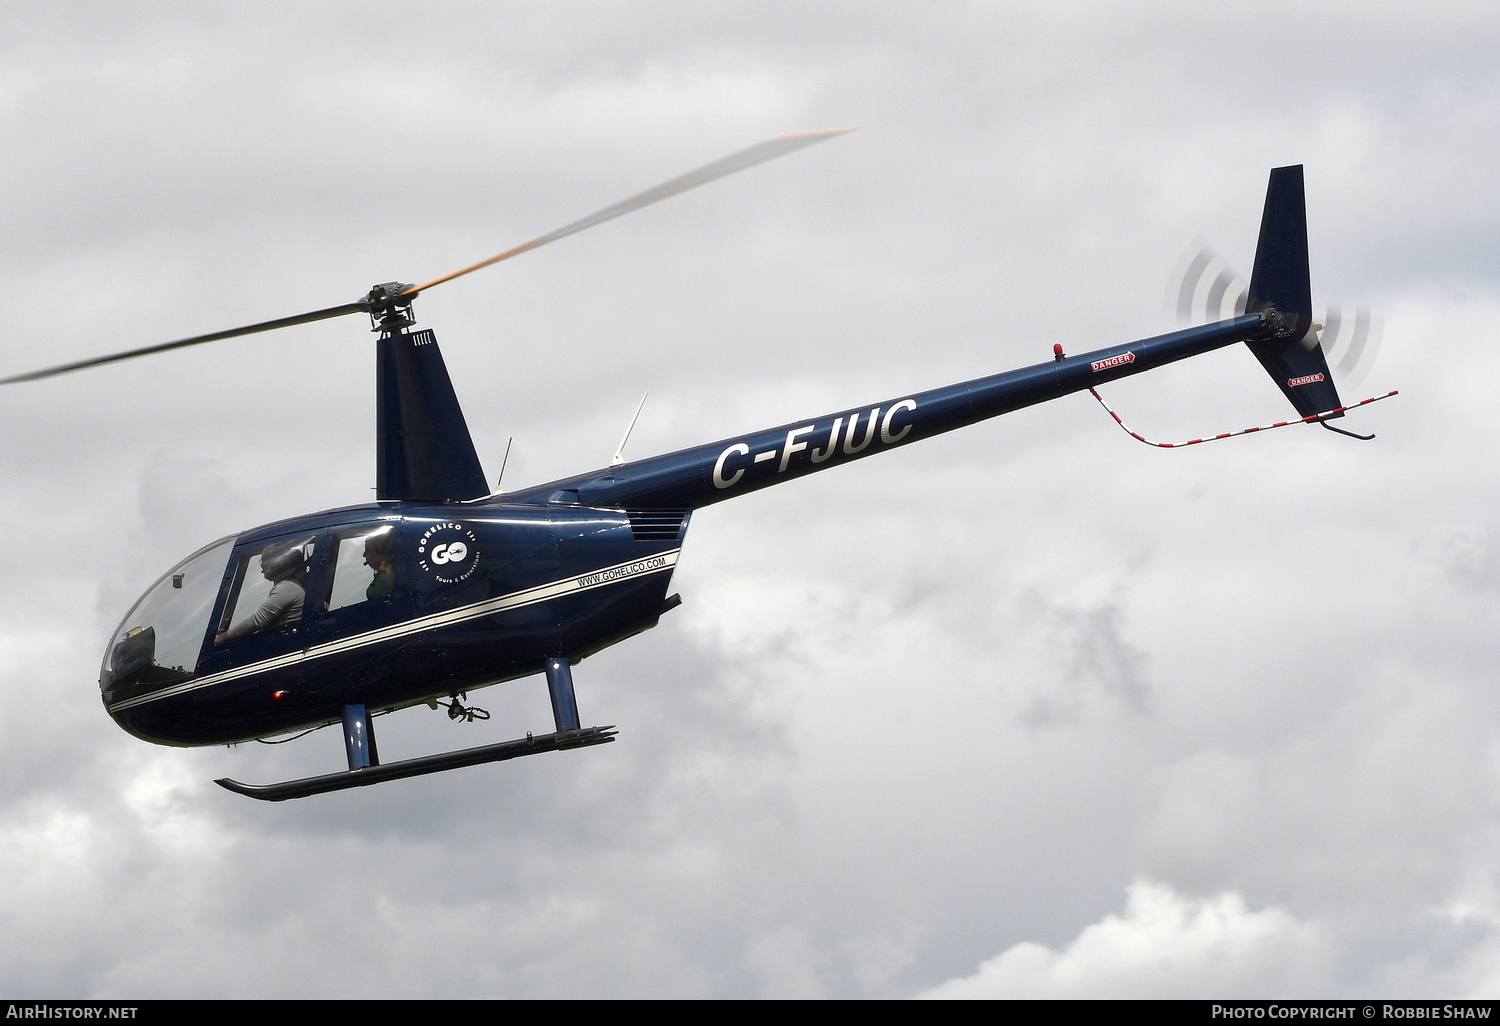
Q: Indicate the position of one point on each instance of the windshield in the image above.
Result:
(163, 633)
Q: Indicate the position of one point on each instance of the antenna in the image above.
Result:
(503, 462)
(620, 452)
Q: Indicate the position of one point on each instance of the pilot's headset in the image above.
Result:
(278, 564)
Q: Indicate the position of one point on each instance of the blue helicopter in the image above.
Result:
(442, 586)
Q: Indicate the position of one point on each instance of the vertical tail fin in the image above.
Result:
(422, 444)
(1281, 281)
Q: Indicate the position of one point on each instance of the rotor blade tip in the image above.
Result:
(823, 132)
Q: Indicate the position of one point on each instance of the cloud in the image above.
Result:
(1164, 945)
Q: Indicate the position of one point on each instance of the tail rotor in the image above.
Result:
(1203, 287)
(1351, 341)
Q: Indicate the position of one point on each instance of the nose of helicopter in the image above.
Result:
(158, 642)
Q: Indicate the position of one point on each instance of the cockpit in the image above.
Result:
(267, 588)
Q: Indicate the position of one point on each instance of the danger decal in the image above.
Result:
(1112, 361)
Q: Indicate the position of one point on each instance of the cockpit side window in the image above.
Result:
(364, 567)
(269, 589)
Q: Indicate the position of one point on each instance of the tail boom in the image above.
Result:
(721, 470)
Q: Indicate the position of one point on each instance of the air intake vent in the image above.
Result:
(656, 524)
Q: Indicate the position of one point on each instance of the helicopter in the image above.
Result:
(442, 586)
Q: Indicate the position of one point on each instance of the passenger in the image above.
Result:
(380, 554)
(286, 569)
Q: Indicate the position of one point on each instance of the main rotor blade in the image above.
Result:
(776, 146)
(360, 306)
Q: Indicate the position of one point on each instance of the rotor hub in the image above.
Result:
(390, 307)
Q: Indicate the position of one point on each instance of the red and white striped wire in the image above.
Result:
(1242, 431)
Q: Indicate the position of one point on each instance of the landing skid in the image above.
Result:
(363, 777)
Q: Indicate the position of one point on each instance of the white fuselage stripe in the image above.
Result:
(433, 621)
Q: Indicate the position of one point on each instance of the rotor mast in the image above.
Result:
(423, 450)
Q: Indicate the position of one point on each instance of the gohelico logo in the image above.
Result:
(449, 552)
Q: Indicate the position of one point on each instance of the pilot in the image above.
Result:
(286, 569)
(380, 554)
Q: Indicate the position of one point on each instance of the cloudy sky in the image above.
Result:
(1029, 709)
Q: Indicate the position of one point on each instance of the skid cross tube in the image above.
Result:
(359, 738)
(560, 689)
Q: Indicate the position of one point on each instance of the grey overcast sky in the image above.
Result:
(1029, 709)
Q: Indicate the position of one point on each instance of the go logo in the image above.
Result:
(449, 552)
(455, 552)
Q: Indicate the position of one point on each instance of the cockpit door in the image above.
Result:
(262, 608)
(358, 597)
(360, 584)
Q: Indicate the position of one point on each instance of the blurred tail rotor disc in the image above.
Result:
(1203, 288)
